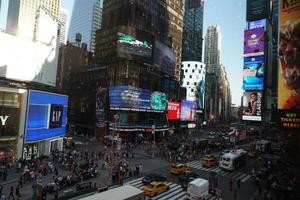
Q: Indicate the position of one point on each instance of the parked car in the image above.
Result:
(153, 177)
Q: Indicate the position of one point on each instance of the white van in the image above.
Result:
(197, 189)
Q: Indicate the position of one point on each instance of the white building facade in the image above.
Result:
(193, 75)
(63, 19)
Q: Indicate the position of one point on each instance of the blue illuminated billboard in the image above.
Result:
(253, 78)
(128, 97)
(46, 116)
(188, 111)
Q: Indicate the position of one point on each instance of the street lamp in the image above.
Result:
(153, 132)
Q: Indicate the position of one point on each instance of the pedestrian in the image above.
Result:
(18, 191)
(259, 189)
(56, 194)
(4, 175)
(235, 195)
(230, 185)
(21, 181)
(239, 183)
(11, 194)
(1, 189)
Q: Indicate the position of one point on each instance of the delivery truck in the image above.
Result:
(197, 189)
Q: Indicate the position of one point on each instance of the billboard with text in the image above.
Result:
(188, 111)
(254, 42)
(252, 106)
(289, 64)
(173, 110)
(253, 73)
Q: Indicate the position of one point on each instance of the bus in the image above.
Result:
(233, 160)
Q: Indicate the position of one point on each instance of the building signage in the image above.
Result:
(56, 113)
(188, 111)
(262, 23)
(201, 95)
(3, 119)
(253, 78)
(256, 9)
(252, 106)
(164, 58)
(158, 101)
(46, 116)
(289, 64)
(254, 42)
(173, 110)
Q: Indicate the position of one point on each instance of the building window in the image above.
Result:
(190, 76)
(189, 65)
(192, 90)
(186, 70)
(195, 83)
(188, 83)
(193, 70)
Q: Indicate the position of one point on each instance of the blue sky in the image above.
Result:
(230, 15)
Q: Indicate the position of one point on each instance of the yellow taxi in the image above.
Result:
(178, 168)
(209, 160)
(156, 187)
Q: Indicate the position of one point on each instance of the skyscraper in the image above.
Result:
(63, 18)
(86, 19)
(212, 52)
(22, 15)
(192, 31)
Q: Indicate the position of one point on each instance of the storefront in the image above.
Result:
(12, 112)
(46, 123)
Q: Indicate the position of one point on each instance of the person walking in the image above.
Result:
(1, 189)
(230, 185)
(18, 191)
(11, 194)
(235, 195)
(239, 183)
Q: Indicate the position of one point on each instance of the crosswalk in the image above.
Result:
(243, 177)
(174, 193)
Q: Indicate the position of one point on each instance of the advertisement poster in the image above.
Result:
(253, 73)
(164, 58)
(100, 112)
(188, 111)
(256, 9)
(289, 64)
(252, 106)
(254, 42)
(258, 24)
(45, 119)
(130, 98)
(173, 110)
(158, 101)
(201, 95)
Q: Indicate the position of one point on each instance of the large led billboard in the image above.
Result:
(200, 99)
(258, 24)
(252, 106)
(173, 110)
(137, 45)
(164, 58)
(46, 116)
(254, 42)
(253, 78)
(158, 101)
(289, 64)
(23, 59)
(256, 9)
(188, 111)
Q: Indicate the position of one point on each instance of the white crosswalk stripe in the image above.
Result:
(234, 175)
(175, 191)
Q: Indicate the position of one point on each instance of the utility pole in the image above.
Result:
(153, 132)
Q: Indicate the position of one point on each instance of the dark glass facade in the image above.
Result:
(192, 40)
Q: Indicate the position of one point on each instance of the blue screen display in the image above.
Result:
(39, 115)
(129, 97)
(253, 78)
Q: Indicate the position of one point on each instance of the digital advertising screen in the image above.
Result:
(261, 23)
(135, 46)
(289, 65)
(200, 100)
(164, 58)
(253, 73)
(256, 9)
(130, 98)
(158, 101)
(254, 42)
(188, 111)
(46, 116)
(173, 110)
(100, 110)
(252, 102)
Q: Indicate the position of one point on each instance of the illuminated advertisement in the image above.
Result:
(34, 61)
(127, 97)
(188, 111)
(200, 100)
(158, 101)
(262, 23)
(254, 42)
(100, 112)
(256, 9)
(138, 46)
(46, 116)
(173, 110)
(252, 106)
(253, 78)
(289, 64)
(164, 58)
